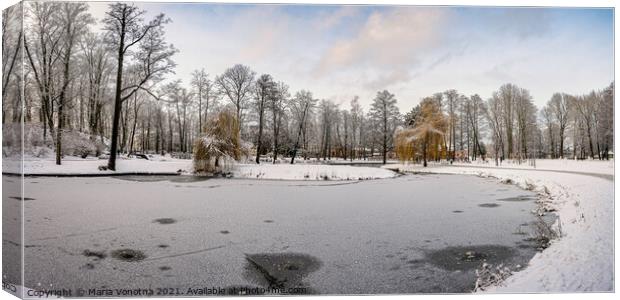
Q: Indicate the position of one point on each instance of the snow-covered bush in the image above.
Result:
(489, 276)
(221, 147)
(73, 143)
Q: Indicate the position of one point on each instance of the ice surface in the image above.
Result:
(376, 236)
(583, 258)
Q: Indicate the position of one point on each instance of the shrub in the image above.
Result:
(73, 142)
(220, 148)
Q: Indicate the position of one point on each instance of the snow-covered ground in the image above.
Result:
(586, 166)
(159, 164)
(583, 258)
(79, 166)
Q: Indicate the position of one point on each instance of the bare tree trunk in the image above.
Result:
(384, 136)
(117, 103)
(301, 124)
(135, 121)
(275, 136)
(260, 132)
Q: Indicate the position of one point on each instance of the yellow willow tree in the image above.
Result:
(425, 139)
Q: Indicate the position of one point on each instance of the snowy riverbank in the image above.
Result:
(583, 258)
(166, 165)
(565, 165)
(90, 166)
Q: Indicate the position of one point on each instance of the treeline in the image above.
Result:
(116, 86)
(452, 126)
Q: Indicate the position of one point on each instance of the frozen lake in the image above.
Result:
(411, 234)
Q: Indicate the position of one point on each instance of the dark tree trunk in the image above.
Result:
(117, 102)
(260, 132)
(301, 124)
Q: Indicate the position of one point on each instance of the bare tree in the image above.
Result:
(384, 110)
(494, 115)
(586, 107)
(11, 44)
(204, 90)
(237, 83)
(356, 119)
(43, 55)
(74, 18)
(277, 105)
(525, 114)
(473, 106)
(559, 104)
(507, 94)
(303, 105)
(549, 120)
(606, 124)
(452, 102)
(264, 91)
(125, 29)
(95, 61)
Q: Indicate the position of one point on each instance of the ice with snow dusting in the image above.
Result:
(583, 258)
(310, 172)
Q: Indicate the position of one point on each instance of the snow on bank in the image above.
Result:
(79, 166)
(583, 258)
(310, 172)
(587, 166)
(159, 164)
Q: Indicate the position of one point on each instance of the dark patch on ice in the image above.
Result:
(188, 178)
(224, 232)
(489, 205)
(469, 257)
(165, 268)
(517, 199)
(525, 246)
(142, 178)
(163, 246)
(20, 198)
(95, 254)
(128, 255)
(280, 270)
(415, 261)
(268, 221)
(165, 221)
(158, 178)
(457, 211)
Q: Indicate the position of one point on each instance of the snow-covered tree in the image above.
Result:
(386, 113)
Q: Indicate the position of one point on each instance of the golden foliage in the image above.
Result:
(425, 140)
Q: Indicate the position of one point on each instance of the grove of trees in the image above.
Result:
(116, 87)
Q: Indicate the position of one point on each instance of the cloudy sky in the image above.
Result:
(341, 51)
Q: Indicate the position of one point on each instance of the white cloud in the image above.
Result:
(391, 40)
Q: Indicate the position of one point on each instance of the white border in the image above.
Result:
(536, 3)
